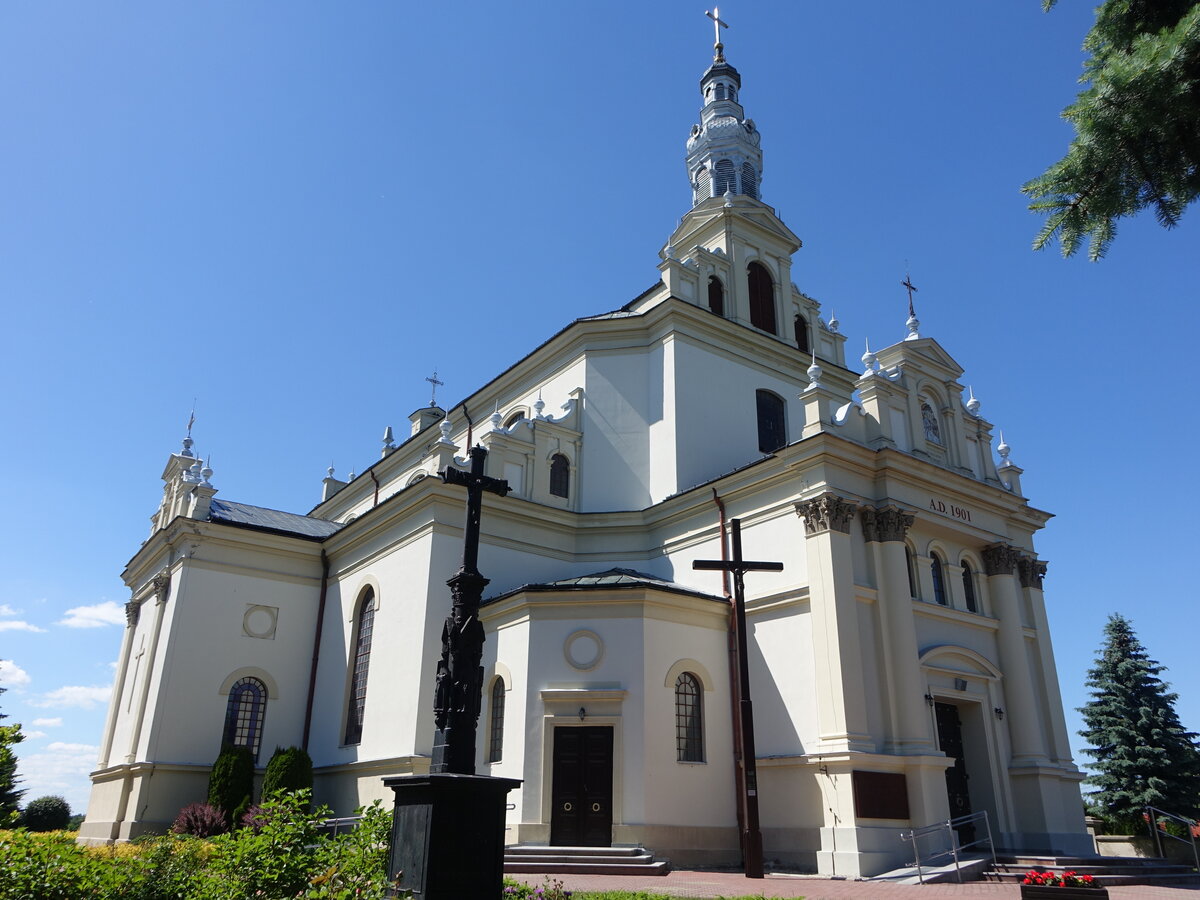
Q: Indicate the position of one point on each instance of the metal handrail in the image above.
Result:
(949, 829)
(1153, 814)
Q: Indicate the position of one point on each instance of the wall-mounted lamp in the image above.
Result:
(582, 714)
(999, 713)
(929, 699)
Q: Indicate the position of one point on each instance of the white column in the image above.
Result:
(110, 723)
(162, 587)
(1032, 571)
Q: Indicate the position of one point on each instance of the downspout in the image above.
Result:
(371, 472)
(470, 426)
(316, 653)
(731, 647)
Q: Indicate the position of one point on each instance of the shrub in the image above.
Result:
(200, 820)
(50, 813)
(49, 867)
(231, 783)
(288, 770)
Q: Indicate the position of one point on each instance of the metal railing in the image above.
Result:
(1158, 831)
(949, 831)
(333, 827)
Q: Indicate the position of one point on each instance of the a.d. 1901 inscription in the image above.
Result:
(950, 509)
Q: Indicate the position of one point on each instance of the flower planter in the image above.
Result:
(1049, 892)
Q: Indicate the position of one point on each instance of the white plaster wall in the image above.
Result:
(783, 680)
(624, 396)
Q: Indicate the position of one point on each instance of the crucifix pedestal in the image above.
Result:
(448, 826)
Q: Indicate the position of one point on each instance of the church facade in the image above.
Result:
(901, 665)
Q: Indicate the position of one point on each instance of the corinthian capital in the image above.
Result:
(887, 524)
(1031, 571)
(132, 611)
(161, 582)
(999, 559)
(829, 512)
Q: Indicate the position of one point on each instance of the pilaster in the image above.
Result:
(1031, 572)
(837, 649)
(162, 588)
(877, 392)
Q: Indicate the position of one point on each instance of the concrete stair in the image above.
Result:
(538, 859)
(1108, 871)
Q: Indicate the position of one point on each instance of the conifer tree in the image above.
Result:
(1137, 126)
(10, 797)
(1142, 754)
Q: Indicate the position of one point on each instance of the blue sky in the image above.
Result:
(295, 212)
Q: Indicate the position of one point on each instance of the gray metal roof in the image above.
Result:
(608, 580)
(271, 520)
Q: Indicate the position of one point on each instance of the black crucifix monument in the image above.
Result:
(448, 826)
(752, 853)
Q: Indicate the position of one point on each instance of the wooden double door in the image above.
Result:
(958, 792)
(582, 791)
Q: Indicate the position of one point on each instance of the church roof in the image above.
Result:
(608, 580)
(263, 519)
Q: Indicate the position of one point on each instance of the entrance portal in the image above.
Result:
(950, 741)
(581, 797)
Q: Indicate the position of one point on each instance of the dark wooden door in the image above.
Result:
(950, 740)
(581, 796)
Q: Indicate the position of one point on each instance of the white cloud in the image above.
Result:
(58, 768)
(32, 735)
(95, 616)
(12, 675)
(84, 697)
(56, 722)
(19, 625)
(6, 610)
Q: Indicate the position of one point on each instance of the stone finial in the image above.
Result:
(670, 252)
(187, 447)
(389, 440)
(496, 419)
(444, 425)
(207, 473)
(814, 374)
(350, 477)
(972, 404)
(889, 523)
(192, 474)
(834, 324)
(870, 361)
(913, 324)
(329, 471)
(728, 198)
(1003, 449)
(829, 512)
(539, 407)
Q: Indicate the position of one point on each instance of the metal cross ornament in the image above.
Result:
(433, 381)
(718, 24)
(907, 282)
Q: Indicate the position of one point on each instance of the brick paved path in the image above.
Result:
(711, 885)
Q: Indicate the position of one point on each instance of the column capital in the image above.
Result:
(1031, 571)
(161, 582)
(132, 610)
(888, 523)
(999, 559)
(829, 512)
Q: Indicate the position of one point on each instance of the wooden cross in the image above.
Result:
(752, 860)
(476, 483)
(907, 282)
(433, 380)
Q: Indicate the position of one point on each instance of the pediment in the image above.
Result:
(707, 220)
(922, 352)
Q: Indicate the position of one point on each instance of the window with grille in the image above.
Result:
(689, 731)
(496, 744)
(245, 714)
(969, 587)
(560, 475)
(939, 580)
(749, 181)
(772, 427)
(762, 297)
(359, 666)
(724, 176)
(716, 295)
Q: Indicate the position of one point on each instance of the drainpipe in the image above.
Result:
(731, 647)
(470, 426)
(316, 654)
(371, 472)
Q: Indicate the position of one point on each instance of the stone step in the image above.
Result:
(545, 850)
(552, 867)
(1095, 869)
(538, 859)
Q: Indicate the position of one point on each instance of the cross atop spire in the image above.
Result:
(718, 24)
(435, 384)
(913, 324)
(907, 282)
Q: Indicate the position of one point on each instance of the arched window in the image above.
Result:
(801, 333)
(969, 587)
(514, 419)
(762, 297)
(716, 295)
(245, 714)
(772, 426)
(749, 181)
(937, 570)
(689, 729)
(359, 666)
(496, 744)
(912, 573)
(724, 175)
(560, 475)
(930, 423)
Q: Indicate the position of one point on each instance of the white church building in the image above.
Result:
(901, 665)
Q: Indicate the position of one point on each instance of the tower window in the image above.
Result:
(496, 743)
(762, 297)
(969, 587)
(772, 427)
(245, 714)
(514, 419)
(716, 295)
(560, 475)
(703, 184)
(749, 181)
(720, 92)
(801, 333)
(689, 731)
(930, 423)
(938, 572)
(725, 177)
(358, 671)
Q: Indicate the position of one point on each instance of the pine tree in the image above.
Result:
(1143, 756)
(1137, 126)
(10, 796)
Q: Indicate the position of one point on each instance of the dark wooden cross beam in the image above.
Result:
(752, 860)
(459, 675)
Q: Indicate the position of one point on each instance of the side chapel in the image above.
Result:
(901, 665)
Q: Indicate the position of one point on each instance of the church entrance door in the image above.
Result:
(581, 796)
(950, 740)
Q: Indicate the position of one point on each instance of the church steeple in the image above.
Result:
(723, 150)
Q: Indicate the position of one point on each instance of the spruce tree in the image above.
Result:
(1137, 126)
(1142, 754)
(10, 796)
